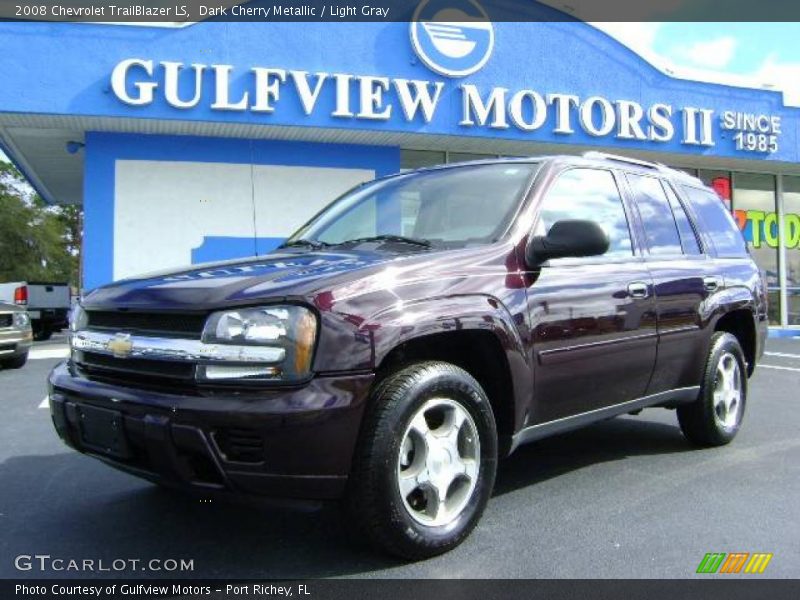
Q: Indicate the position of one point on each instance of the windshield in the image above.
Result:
(451, 207)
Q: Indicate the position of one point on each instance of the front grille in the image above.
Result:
(103, 364)
(240, 445)
(189, 326)
(6, 320)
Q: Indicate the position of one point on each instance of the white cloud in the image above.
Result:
(706, 61)
(639, 37)
(781, 75)
(712, 54)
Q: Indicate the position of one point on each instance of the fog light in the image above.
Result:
(217, 372)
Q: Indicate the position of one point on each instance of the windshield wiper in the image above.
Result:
(313, 244)
(389, 237)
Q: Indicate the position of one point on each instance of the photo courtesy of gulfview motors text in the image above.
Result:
(334, 299)
(158, 591)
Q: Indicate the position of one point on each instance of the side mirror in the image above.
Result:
(567, 238)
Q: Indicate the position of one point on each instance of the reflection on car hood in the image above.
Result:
(279, 274)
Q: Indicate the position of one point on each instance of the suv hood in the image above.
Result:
(281, 274)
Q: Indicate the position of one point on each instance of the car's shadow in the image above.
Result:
(611, 440)
(73, 507)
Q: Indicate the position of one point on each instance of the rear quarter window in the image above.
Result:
(717, 222)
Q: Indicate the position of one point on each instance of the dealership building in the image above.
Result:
(187, 143)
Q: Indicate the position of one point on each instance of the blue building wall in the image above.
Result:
(65, 69)
(103, 150)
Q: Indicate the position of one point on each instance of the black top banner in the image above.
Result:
(173, 12)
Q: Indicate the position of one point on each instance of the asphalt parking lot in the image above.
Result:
(624, 498)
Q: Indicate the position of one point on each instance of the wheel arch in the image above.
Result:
(740, 322)
(481, 338)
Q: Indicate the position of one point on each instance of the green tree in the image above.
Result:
(37, 242)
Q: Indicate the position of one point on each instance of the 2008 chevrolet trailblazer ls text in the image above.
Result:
(416, 330)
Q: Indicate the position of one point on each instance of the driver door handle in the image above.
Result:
(638, 289)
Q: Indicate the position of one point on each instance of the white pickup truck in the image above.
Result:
(47, 304)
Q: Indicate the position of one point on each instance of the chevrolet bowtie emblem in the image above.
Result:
(120, 345)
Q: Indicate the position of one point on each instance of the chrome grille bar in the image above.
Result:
(122, 345)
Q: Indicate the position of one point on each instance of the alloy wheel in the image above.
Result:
(727, 391)
(439, 462)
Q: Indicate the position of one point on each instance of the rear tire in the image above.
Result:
(715, 417)
(425, 463)
(15, 363)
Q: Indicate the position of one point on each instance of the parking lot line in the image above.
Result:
(779, 368)
(44, 353)
(782, 354)
(45, 403)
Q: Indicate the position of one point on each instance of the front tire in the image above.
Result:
(425, 463)
(15, 363)
(715, 417)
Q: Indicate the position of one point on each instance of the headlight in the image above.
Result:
(22, 320)
(78, 319)
(292, 328)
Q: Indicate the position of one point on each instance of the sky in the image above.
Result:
(758, 53)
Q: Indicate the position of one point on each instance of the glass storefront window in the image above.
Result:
(719, 181)
(707, 176)
(791, 211)
(416, 159)
(756, 214)
(454, 157)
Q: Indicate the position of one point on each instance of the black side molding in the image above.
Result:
(542, 430)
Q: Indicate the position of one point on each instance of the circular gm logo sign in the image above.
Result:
(452, 37)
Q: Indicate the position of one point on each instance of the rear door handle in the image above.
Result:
(711, 284)
(638, 289)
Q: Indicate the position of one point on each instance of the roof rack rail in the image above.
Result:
(644, 163)
(618, 158)
(681, 174)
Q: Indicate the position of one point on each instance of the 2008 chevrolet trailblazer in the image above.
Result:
(416, 330)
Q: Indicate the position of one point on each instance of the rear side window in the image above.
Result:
(717, 221)
(688, 237)
(588, 194)
(659, 224)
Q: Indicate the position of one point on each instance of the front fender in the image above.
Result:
(371, 339)
(400, 324)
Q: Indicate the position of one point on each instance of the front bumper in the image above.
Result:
(15, 342)
(287, 443)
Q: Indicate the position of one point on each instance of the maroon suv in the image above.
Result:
(416, 330)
